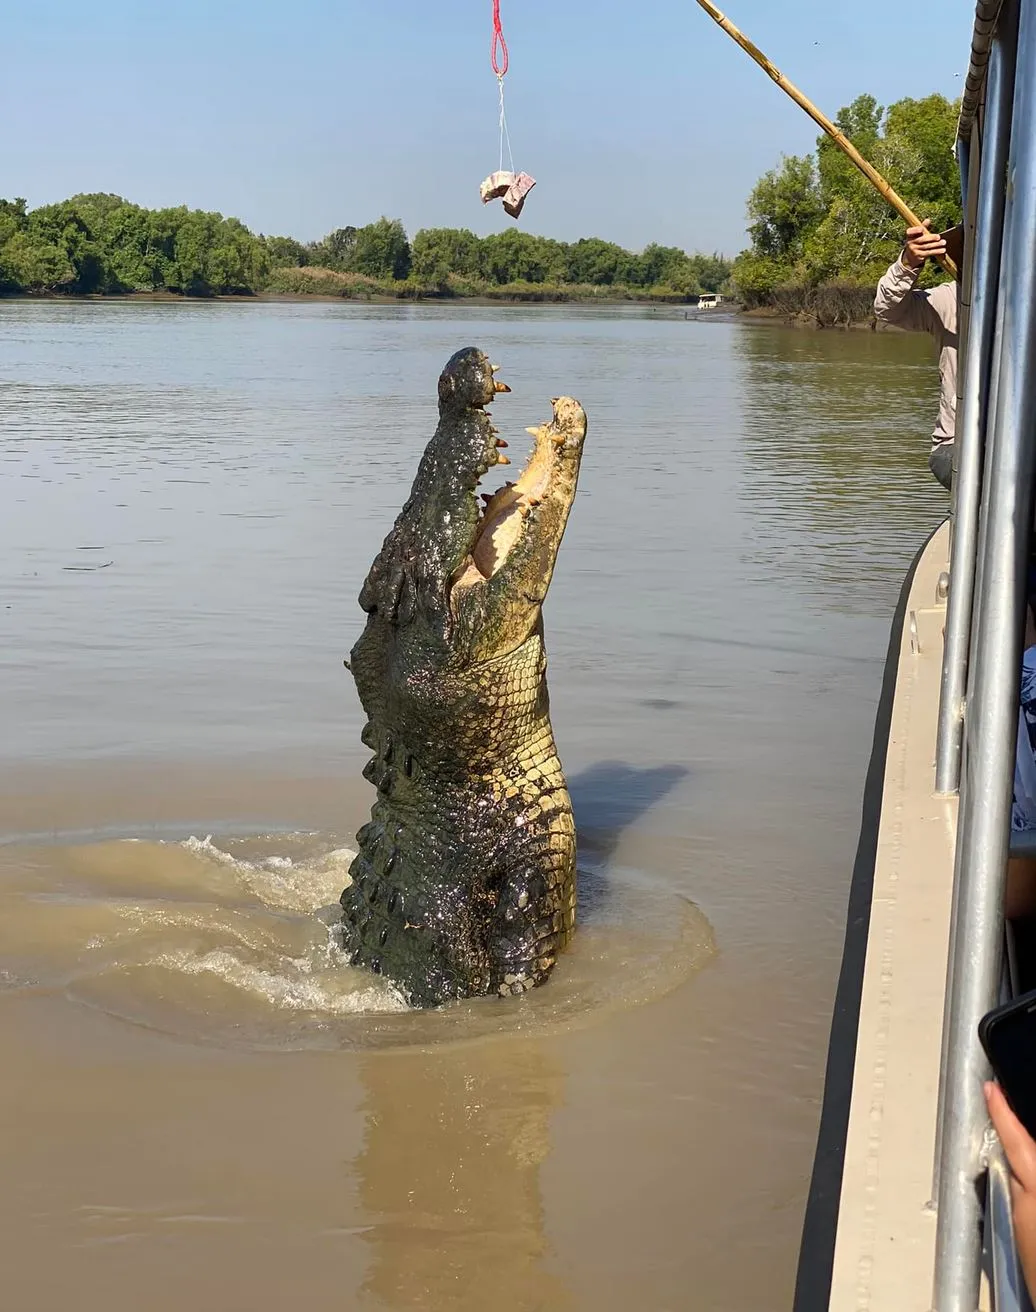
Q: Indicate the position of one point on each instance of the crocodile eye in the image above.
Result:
(408, 766)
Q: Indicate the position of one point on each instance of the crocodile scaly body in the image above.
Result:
(464, 882)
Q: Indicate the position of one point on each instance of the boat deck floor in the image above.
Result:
(885, 1242)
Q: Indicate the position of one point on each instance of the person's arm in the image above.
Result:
(897, 300)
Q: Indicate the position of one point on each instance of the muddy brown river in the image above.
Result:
(201, 1107)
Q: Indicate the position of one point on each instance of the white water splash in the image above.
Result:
(233, 942)
(282, 881)
(296, 984)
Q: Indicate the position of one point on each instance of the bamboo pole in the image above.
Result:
(841, 141)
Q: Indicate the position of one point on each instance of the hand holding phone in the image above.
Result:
(1020, 1151)
(1008, 1035)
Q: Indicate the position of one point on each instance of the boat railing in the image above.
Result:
(987, 143)
(991, 534)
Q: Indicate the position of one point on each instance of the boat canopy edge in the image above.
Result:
(987, 12)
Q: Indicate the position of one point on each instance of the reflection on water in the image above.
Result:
(461, 1228)
(206, 1099)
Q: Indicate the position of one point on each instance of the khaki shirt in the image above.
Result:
(933, 311)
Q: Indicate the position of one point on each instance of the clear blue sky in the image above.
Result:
(641, 122)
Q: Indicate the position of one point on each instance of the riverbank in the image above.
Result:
(326, 284)
(834, 304)
(765, 314)
(307, 280)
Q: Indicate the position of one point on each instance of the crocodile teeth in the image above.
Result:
(500, 387)
(502, 460)
(500, 442)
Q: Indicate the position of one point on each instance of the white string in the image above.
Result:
(504, 134)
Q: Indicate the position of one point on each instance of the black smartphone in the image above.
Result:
(1008, 1035)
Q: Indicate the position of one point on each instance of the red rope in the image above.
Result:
(498, 50)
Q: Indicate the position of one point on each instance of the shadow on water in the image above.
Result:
(609, 797)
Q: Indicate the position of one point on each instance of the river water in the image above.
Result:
(200, 1106)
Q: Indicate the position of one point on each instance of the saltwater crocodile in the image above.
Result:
(464, 882)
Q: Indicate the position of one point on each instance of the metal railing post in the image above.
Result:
(961, 562)
(974, 414)
(984, 826)
(973, 410)
(969, 158)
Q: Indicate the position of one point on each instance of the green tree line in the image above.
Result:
(99, 243)
(442, 257)
(815, 221)
(102, 244)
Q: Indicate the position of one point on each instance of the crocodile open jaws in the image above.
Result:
(464, 883)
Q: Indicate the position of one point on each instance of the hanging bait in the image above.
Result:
(507, 185)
